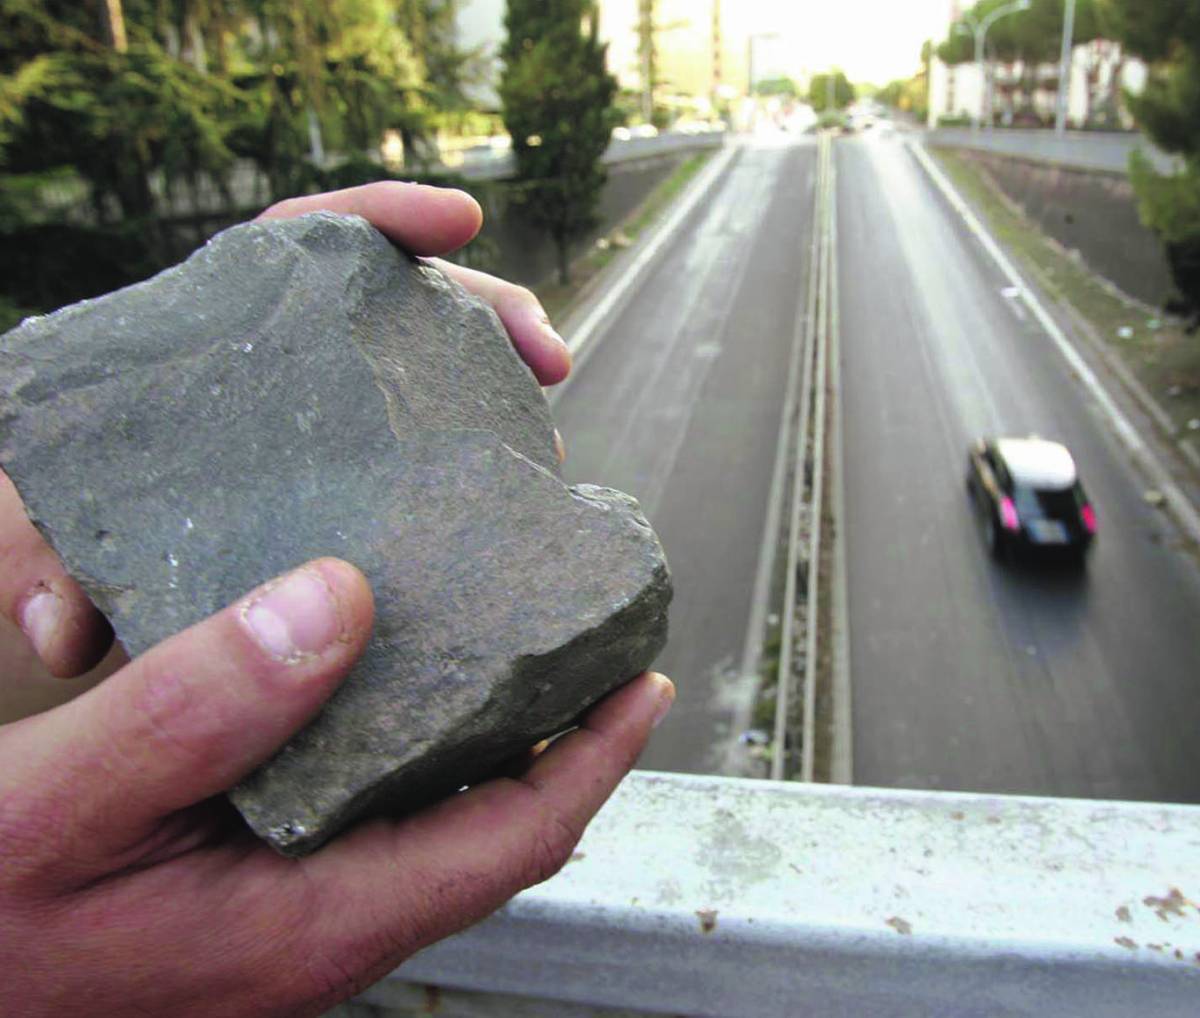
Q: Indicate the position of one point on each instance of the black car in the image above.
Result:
(1027, 495)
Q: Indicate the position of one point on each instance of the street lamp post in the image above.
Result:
(1064, 69)
(980, 30)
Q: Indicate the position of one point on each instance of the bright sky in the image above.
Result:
(871, 40)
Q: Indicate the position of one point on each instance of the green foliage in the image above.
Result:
(819, 87)
(909, 95)
(1033, 36)
(777, 86)
(102, 148)
(1167, 35)
(558, 106)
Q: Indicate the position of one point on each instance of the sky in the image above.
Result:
(871, 40)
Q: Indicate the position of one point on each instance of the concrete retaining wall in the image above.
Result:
(1091, 211)
(510, 246)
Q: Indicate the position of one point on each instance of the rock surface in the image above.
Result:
(301, 388)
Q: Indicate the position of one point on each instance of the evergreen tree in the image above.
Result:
(1166, 34)
(557, 98)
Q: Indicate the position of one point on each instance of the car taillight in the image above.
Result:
(1089, 518)
(1009, 519)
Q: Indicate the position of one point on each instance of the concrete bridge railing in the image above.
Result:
(714, 896)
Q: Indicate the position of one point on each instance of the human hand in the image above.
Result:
(127, 887)
(67, 632)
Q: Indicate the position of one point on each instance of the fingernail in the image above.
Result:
(666, 697)
(295, 617)
(40, 618)
(560, 447)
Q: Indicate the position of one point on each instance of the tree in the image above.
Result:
(135, 106)
(1166, 35)
(777, 86)
(558, 106)
(70, 98)
(1030, 37)
(820, 87)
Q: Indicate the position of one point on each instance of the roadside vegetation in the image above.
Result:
(1166, 35)
(132, 130)
(1156, 348)
(558, 298)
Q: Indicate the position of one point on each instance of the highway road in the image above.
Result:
(679, 404)
(965, 674)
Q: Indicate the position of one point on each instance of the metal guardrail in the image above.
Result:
(503, 165)
(1086, 150)
(719, 896)
(799, 618)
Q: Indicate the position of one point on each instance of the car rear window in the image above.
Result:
(1058, 504)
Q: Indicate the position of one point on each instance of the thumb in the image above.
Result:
(193, 715)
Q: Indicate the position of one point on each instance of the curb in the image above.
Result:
(581, 326)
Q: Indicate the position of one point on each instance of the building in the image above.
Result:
(1027, 95)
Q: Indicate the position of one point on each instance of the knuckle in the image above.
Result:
(517, 294)
(169, 719)
(332, 974)
(280, 209)
(553, 841)
(29, 829)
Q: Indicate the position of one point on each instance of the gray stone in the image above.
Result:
(301, 388)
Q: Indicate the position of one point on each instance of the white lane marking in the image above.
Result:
(581, 335)
(1181, 507)
(1013, 300)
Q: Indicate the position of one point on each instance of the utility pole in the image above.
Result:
(716, 54)
(646, 53)
(114, 23)
(1064, 68)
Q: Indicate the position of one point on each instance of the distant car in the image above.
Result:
(1027, 495)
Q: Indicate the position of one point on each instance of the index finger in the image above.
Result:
(423, 220)
(65, 629)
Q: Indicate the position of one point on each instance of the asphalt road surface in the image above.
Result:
(679, 404)
(966, 674)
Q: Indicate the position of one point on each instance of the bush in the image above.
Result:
(1169, 204)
